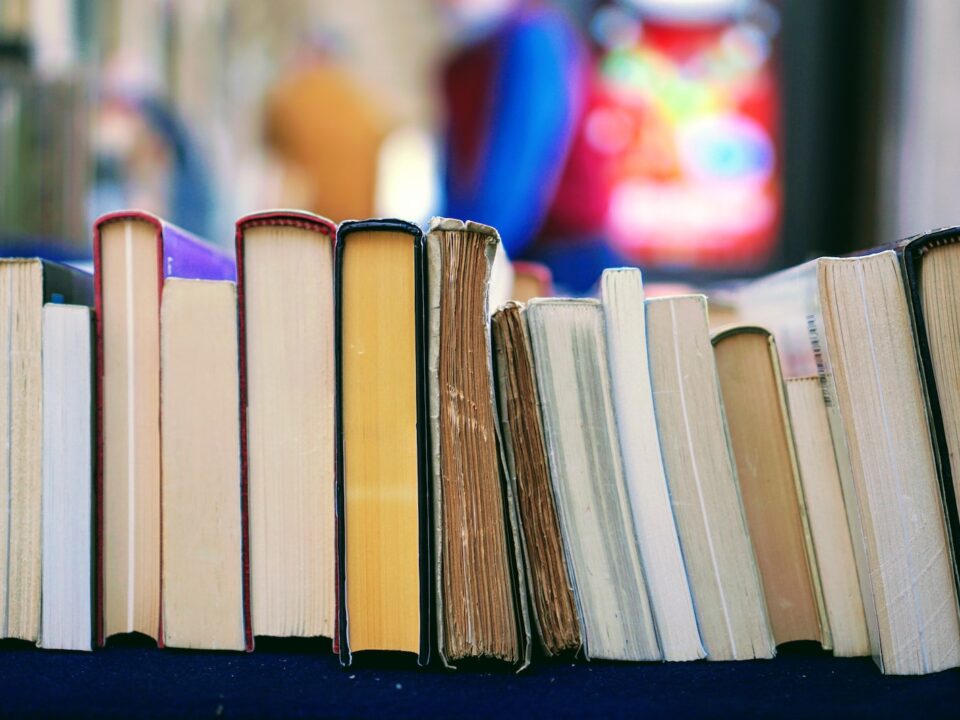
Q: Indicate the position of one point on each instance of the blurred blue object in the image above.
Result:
(513, 101)
(191, 196)
(189, 199)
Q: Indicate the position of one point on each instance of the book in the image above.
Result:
(929, 263)
(552, 605)
(25, 285)
(204, 601)
(702, 477)
(477, 607)
(586, 470)
(67, 489)
(828, 520)
(859, 315)
(787, 304)
(621, 292)
(873, 362)
(133, 254)
(761, 436)
(286, 322)
(382, 466)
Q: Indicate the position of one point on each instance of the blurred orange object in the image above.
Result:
(327, 132)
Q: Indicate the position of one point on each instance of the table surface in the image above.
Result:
(300, 678)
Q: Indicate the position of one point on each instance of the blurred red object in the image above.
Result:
(677, 158)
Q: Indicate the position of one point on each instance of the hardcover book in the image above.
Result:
(286, 321)
(133, 254)
(480, 603)
(931, 262)
(382, 466)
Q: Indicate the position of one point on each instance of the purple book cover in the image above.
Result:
(182, 255)
(187, 256)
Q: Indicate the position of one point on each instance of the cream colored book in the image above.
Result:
(203, 601)
(787, 303)
(666, 575)
(828, 520)
(702, 475)
(133, 252)
(860, 324)
(21, 430)
(573, 381)
(872, 358)
(285, 282)
(25, 285)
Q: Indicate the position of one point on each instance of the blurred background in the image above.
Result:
(699, 139)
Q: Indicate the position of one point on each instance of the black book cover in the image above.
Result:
(423, 433)
(66, 284)
(911, 252)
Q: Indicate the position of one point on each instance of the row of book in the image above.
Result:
(335, 434)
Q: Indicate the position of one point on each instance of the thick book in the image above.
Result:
(205, 602)
(586, 469)
(931, 263)
(702, 475)
(871, 352)
(552, 606)
(787, 304)
(621, 292)
(67, 546)
(849, 321)
(25, 286)
(285, 265)
(133, 254)
(478, 569)
(761, 436)
(382, 440)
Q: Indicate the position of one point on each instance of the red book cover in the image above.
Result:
(273, 218)
(179, 254)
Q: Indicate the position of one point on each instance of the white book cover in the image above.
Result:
(621, 292)
(67, 581)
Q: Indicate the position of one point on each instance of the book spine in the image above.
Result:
(911, 260)
(423, 439)
(818, 342)
(98, 438)
(184, 256)
(244, 449)
(306, 222)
